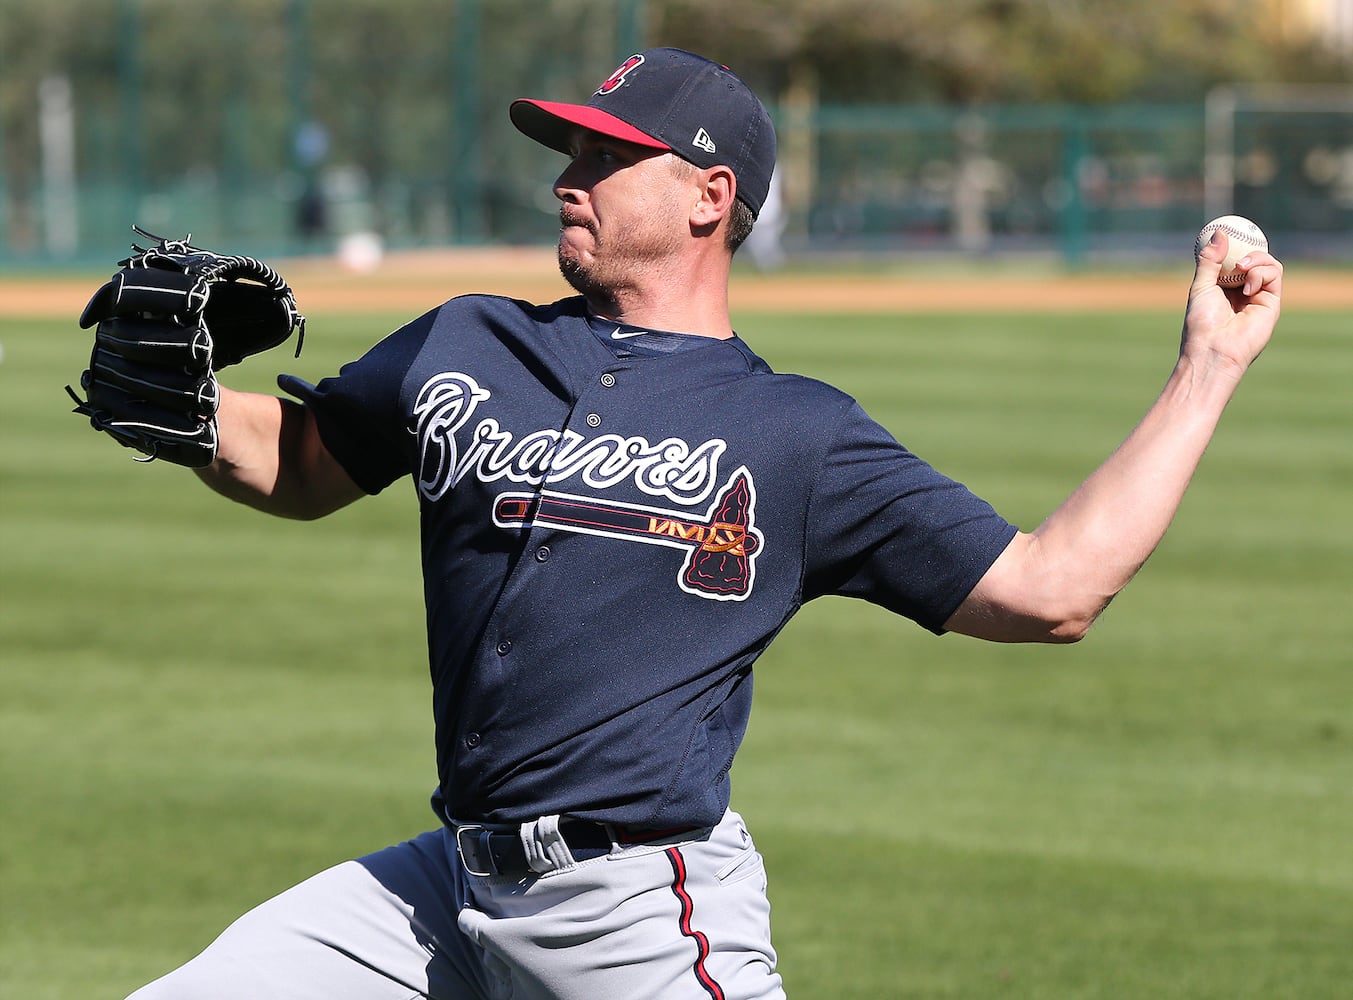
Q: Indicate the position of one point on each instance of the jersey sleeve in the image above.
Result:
(359, 411)
(887, 527)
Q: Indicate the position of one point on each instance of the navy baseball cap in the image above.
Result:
(675, 101)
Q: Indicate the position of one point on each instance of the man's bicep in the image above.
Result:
(318, 482)
(270, 457)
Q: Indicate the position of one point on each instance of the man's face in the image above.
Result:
(624, 210)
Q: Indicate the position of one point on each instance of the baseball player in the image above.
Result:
(622, 505)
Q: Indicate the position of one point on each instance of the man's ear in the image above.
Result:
(717, 191)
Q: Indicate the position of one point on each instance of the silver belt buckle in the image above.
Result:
(476, 830)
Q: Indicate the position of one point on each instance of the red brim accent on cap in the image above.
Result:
(552, 124)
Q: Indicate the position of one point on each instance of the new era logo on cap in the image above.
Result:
(703, 140)
(673, 100)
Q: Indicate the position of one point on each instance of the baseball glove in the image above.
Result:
(166, 323)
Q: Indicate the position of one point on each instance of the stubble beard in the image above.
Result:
(607, 269)
(578, 274)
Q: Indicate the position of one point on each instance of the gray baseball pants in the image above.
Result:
(684, 919)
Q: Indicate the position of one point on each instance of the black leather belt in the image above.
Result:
(487, 852)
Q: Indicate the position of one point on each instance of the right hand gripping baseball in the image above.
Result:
(165, 324)
(1227, 327)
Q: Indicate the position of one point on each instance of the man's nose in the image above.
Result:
(568, 186)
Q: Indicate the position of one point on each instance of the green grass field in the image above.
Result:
(200, 706)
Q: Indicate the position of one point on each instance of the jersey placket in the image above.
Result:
(510, 638)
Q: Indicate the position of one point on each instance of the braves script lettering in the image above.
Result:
(444, 405)
(670, 468)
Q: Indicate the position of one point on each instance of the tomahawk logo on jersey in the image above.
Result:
(722, 547)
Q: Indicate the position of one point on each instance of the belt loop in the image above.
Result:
(546, 849)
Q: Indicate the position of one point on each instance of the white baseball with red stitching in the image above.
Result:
(1243, 238)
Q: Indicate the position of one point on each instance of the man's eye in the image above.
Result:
(599, 155)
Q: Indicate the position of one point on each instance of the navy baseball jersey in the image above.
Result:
(615, 524)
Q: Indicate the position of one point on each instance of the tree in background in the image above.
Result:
(971, 51)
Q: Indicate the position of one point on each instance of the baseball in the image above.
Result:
(1243, 237)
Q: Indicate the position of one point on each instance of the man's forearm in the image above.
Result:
(1089, 549)
(1051, 585)
(272, 459)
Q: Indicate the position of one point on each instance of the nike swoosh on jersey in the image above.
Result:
(617, 335)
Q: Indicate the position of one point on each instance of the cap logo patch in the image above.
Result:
(703, 140)
(618, 77)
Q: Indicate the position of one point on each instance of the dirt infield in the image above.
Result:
(412, 282)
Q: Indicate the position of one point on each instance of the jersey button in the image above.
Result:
(504, 647)
(593, 420)
(473, 740)
(543, 553)
(608, 380)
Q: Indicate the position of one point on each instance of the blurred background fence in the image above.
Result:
(294, 126)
